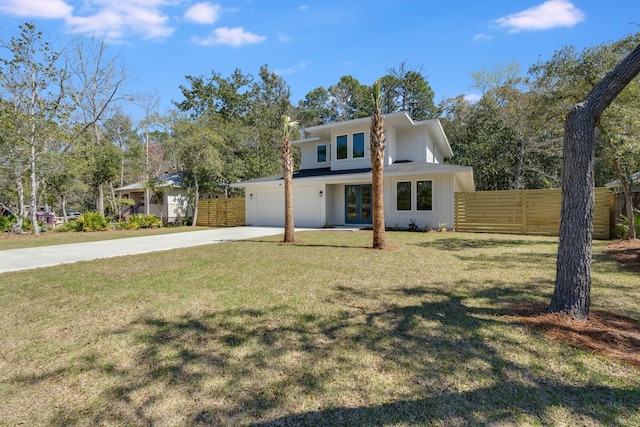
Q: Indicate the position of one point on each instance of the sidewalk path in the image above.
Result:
(46, 256)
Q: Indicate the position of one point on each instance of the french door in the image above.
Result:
(358, 204)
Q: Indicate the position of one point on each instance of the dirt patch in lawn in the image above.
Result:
(626, 252)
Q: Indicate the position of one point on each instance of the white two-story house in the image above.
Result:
(333, 186)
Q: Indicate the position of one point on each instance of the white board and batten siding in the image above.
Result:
(442, 202)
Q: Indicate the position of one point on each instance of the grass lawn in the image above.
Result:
(325, 332)
(48, 238)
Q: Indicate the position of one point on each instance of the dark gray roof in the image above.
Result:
(399, 167)
(171, 179)
(635, 178)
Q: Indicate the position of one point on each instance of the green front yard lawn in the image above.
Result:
(51, 237)
(323, 332)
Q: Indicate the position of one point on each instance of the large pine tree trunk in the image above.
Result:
(573, 271)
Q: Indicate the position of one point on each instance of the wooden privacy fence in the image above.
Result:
(221, 212)
(618, 206)
(522, 212)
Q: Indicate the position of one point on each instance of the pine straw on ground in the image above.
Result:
(609, 334)
(626, 252)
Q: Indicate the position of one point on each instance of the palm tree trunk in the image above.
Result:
(376, 148)
(287, 166)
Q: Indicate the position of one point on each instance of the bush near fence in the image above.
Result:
(221, 212)
(535, 212)
(618, 206)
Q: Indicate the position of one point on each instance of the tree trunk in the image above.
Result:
(20, 191)
(195, 202)
(377, 190)
(631, 221)
(518, 185)
(376, 148)
(34, 187)
(113, 200)
(573, 271)
(63, 205)
(101, 199)
(287, 170)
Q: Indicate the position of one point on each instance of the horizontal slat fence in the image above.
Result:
(522, 212)
(221, 212)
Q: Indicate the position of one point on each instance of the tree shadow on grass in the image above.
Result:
(486, 406)
(434, 357)
(306, 244)
(458, 244)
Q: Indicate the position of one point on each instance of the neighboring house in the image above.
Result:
(333, 186)
(617, 187)
(169, 202)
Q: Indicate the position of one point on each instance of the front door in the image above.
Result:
(358, 204)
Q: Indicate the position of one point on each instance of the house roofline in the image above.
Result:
(400, 119)
(356, 175)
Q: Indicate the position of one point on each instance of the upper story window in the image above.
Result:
(341, 147)
(321, 153)
(424, 195)
(403, 196)
(358, 145)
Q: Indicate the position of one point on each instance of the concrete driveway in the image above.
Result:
(46, 256)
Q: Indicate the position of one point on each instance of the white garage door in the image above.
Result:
(270, 207)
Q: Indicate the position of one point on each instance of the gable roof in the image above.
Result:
(399, 120)
(170, 180)
(634, 178)
(398, 168)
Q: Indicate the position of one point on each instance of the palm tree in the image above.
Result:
(288, 126)
(376, 146)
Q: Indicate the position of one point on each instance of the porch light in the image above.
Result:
(251, 196)
(320, 193)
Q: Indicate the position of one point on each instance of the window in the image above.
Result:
(424, 195)
(403, 196)
(341, 147)
(322, 153)
(358, 145)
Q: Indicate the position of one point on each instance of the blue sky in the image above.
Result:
(314, 43)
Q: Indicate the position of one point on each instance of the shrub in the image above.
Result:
(90, 221)
(71, 225)
(5, 222)
(137, 221)
(622, 227)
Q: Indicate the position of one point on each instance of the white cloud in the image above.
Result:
(50, 9)
(203, 13)
(284, 38)
(304, 7)
(113, 19)
(482, 37)
(229, 36)
(550, 14)
(292, 70)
